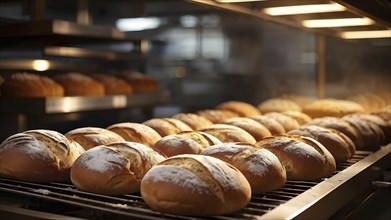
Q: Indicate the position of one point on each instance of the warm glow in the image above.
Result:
(137, 24)
(342, 22)
(41, 65)
(236, 1)
(304, 9)
(366, 34)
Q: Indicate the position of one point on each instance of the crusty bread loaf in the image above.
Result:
(141, 83)
(332, 107)
(195, 185)
(77, 84)
(262, 168)
(257, 130)
(369, 101)
(136, 132)
(113, 169)
(38, 156)
(243, 109)
(278, 105)
(186, 142)
(216, 116)
(301, 100)
(303, 158)
(384, 114)
(113, 85)
(271, 124)
(289, 123)
(374, 121)
(229, 133)
(89, 137)
(339, 145)
(193, 120)
(26, 85)
(167, 126)
(300, 117)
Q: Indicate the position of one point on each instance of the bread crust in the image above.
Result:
(216, 115)
(77, 84)
(89, 137)
(193, 120)
(113, 85)
(136, 132)
(229, 133)
(257, 130)
(243, 109)
(271, 124)
(167, 126)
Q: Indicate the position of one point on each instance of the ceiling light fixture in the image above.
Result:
(340, 22)
(304, 9)
(366, 34)
(237, 1)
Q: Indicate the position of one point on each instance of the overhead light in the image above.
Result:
(366, 34)
(40, 65)
(304, 9)
(340, 22)
(236, 1)
(137, 24)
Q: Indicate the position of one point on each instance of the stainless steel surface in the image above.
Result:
(54, 65)
(78, 103)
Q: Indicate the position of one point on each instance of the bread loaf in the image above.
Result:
(141, 83)
(167, 126)
(113, 169)
(303, 158)
(278, 105)
(332, 107)
(339, 145)
(136, 132)
(243, 109)
(229, 133)
(89, 137)
(77, 84)
(186, 142)
(300, 117)
(287, 122)
(271, 124)
(26, 85)
(301, 100)
(376, 122)
(195, 185)
(193, 120)
(369, 101)
(257, 130)
(216, 116)
(113, 85)
(38, 156)
(262, 168)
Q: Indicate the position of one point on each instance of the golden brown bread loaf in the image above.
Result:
(271, 124)
(229, 133)
(135, 132)
(300, 117)
(113, 85)
(89, 137)
(369, 101)
(301, 100)
(193, 120)
(375, 122)
(216, 116)
(26, 85)
(261, 168)
(303, 158)
(77, 84)
(38, 156)
(257, 130)
(289, 123)
(332, 107)
(141, 83)
(186, 142)
(195, 185)
(243, 109)
(383, 114)
(167, 126)
(339, 145)
(278, 105)
(113, 169)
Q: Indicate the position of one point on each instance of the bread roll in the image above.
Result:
(262, 168)
(195, 185)
(271, 124)
(303, 158)
(257, 130)
(332, 107)
(136, 132)
(243, 109)
(193, 120)
(89, 137)
(77, 84)
(216, 116)
(26, 85)
(300, 117)
(38, 156)
(287, 122)
(141, 83)
(278, 105)
(339, 145)
(113, 85)
(229, 133)
(186, 142)
(113, 169)
(167, 126)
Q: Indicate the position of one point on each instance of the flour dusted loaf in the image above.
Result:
(193, 120)
(113, 85)
(262, 168)
(167, 126)
(216, 115)
(195, 185)
(243, 109)
(38, 156)
(77, 84)
(271, 124)
(113, 169)
(136, 132)
(257, 130)
(89, 137)
(27, 85)
(303, 158)
(186, 142)
(229, 133)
